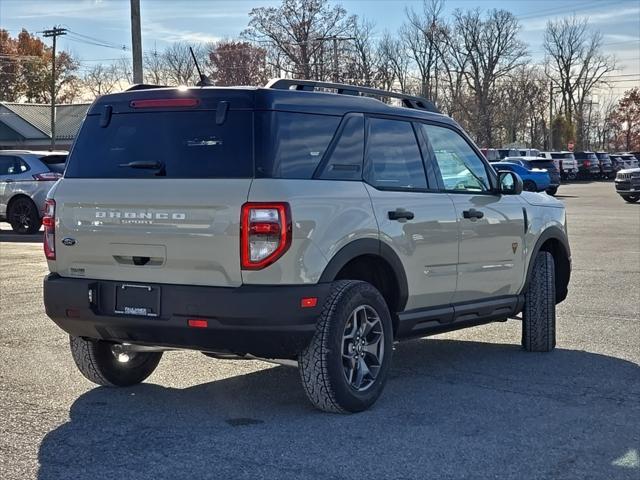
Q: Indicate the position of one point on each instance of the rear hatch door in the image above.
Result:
(154, 195)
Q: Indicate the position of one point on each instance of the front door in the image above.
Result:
(419, 223)
(491, 226)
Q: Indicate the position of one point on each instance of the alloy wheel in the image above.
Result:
(362, 347)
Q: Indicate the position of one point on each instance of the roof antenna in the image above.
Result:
(204, 80)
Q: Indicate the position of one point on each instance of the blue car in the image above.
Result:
(534, 180)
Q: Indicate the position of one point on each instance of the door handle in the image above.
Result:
(7, 180)
(472, 213)
(400, 213)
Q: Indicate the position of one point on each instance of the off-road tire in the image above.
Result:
(631, 198)
(320, 364)
(24, 208)
(552, 190)
(529, 186)
(539, 315)
(95, 360)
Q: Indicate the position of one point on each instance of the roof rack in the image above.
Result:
(408, 101)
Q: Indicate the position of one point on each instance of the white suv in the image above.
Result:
(288, 223)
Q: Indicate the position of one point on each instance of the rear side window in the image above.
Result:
(184, 145)
(393, 156)
(291, 145)
(10, 165)
(345, 161)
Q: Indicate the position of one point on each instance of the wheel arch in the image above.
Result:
(554, 241)
(384, 270)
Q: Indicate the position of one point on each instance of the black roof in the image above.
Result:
(257, 98)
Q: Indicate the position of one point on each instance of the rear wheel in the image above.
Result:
(106, 365)
(631, 198)
(552, 190)
(345, 367)
(23, 216)
(539, 315)
(529, 186)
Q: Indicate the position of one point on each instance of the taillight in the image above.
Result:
(265, 233)
(47, 176)
(587, 164)
(49, 222)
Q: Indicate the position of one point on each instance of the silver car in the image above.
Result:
(25, 179)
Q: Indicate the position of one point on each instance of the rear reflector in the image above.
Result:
(309, 302)
(198, 323)
(165, 102)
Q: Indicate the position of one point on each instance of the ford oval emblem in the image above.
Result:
(68, 241)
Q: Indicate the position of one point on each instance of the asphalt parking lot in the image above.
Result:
(468, 404)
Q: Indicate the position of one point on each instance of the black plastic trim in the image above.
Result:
(265, 321)
(444, 318)
(369, 246)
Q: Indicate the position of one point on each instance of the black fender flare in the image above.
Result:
(551, 233)
(369, 246)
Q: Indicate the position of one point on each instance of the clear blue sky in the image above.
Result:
(166, 21)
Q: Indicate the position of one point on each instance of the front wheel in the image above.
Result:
(345, 367)
(539, 315)
(631, 198)
(105, 365)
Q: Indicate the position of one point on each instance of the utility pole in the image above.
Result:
(54, 33)
(335, 40)
(136, 41)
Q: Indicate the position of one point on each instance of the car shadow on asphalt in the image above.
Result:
(451, 409)
(10, 237)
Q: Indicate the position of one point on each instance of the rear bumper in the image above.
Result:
(265, 321)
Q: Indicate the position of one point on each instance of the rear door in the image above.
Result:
(155, 196)
(12, 169)
(491, 226)
(417, 221)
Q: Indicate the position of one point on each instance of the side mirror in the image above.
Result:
(509, 183)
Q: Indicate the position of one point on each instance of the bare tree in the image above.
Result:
(238, 63)
(397, 64)
(101, 79)
(576, 66)
(490, 50)
(362, 58)
(424, 35)
(299, 30)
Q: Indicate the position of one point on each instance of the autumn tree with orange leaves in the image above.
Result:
(25, 70)
(625, 121)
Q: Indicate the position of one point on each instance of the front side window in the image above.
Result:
(461, 169)
(393, 156)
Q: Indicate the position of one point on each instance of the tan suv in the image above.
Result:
(289, 223)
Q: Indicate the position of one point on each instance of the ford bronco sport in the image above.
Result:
(289, 223)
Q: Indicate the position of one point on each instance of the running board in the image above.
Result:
(446, 318)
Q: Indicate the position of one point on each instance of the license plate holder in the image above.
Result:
(137, 300)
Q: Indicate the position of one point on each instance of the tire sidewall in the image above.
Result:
(358, 295)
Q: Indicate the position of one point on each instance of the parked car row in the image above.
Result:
(582, 165)
(25, 179)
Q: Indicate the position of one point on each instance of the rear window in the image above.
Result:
(184, 144)
(291, 145)
(561, 156)
(55, 163)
